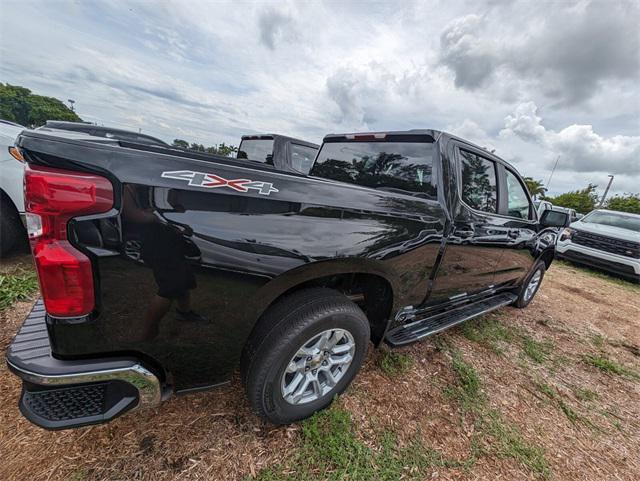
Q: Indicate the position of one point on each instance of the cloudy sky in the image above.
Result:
(534, 79)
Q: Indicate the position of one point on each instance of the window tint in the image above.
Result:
(479, 182)
(404, 167)
(256, 149)
(302, 157)
(517, 201)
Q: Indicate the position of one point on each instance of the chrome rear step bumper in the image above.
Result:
(60, 394)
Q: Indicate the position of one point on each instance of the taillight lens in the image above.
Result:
(52, 198)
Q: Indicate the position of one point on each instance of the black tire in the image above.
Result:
(282, 331)
(524, 298)
(11, 230)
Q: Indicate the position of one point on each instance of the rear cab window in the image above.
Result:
(260, 150)
(404, 167)
(302, 157)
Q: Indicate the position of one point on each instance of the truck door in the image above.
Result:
(474, 244)
(520, 236)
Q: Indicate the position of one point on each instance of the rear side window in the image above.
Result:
(479, 182)
(256, 149)
(403, 167)
(302, 157)
(517, 200)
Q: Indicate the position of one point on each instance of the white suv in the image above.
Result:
(604, 239)
(11, 196)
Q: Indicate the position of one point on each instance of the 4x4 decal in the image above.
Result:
(211, 181)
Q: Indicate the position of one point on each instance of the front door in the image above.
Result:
(520, 242)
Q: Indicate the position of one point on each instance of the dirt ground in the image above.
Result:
(545, 379)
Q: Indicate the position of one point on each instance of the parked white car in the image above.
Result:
(605, 239)
(11, 195)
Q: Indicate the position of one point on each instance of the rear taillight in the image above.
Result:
(52, 197)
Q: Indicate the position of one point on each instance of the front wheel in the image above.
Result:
(306, 350)
(531, 285)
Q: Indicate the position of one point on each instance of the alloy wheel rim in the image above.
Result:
(533, 285)
(318, 366)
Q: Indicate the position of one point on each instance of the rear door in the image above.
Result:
(474, 245)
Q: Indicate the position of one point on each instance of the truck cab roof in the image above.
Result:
(279, 136)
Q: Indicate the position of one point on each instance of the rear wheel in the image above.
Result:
(11, 230)
(307, 349)
(531, 285)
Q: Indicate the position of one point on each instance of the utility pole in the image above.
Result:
(554, 169)
(606, 191)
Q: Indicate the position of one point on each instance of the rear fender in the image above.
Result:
(316, 270)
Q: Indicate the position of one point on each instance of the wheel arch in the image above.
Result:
(364, 282)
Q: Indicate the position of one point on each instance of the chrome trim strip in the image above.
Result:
(147, 383)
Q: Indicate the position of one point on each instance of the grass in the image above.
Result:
(467, 390)
(499, 435)
(610, 366)
(79, 475)
(584, 394)
(535, 350)
(330, 450)
(394, 363)
(16, 287)
(556, 398)
(510, 444)
(488, 333)
(598, 340)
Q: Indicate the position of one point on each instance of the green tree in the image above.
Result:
(536, 187)
(220, 149)
(625, 203)
(183, 144)
(226, 150)
(18, 104)
(583, 200)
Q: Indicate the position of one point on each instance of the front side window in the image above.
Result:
(302, 157)
(479, 182)
(404, 167)
(517, 200)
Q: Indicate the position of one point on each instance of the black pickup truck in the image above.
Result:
(161, 272)
(280, 151)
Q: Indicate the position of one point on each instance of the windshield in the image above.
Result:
(615, 220)
(256, 149)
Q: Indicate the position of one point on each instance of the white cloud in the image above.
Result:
(580, 148)
(216, 70)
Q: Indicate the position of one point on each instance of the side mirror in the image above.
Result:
(554, 218)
